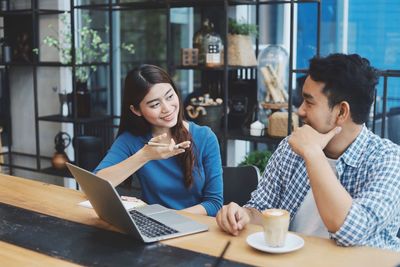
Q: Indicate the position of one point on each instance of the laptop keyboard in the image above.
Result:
(150, 227)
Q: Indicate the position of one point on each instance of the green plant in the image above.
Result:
(235, 27)
(257, 158)
(90, 49)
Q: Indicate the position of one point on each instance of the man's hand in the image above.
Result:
(305, 140)
(232, 218)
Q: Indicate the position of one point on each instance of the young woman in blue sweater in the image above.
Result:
(185, 176)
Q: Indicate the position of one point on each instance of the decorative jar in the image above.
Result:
(209, 44)
(198, 39)
(204, 110)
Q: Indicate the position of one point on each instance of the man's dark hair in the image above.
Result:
(348, 78)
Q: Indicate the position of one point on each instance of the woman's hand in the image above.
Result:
(130, 199)
(133, 202)
(160, 147)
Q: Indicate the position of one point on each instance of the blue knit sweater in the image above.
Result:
(162, 180)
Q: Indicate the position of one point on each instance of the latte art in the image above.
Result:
(276, 225)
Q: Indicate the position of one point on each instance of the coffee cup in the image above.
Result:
(276, 224)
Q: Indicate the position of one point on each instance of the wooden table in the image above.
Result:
(62, 202)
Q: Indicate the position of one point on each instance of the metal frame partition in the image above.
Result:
(386, 74)
(110, 6)
(33, 12)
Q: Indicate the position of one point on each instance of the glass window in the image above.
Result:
(366, 27)
(146, 30)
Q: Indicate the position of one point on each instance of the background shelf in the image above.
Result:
(59, 118)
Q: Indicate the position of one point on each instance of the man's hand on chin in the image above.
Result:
(306, 140)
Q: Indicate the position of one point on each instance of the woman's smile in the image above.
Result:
(170, 116)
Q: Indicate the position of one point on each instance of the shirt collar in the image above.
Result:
(352, 155)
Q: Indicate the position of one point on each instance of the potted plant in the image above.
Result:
(90, 49)
(240, 46)
(257, 158)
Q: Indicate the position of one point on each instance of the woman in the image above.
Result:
(184, 176)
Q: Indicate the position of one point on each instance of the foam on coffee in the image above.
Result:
(274, 212)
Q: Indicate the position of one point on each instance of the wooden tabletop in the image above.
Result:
(62, 202)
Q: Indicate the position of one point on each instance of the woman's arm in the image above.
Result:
(212, 166)
(119, 172)
(197, 209)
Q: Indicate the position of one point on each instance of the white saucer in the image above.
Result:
(293, 242)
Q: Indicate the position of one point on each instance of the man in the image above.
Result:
(335, 177)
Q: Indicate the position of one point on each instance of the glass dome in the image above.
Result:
(273, 74)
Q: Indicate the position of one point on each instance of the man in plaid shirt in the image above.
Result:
(335, 177)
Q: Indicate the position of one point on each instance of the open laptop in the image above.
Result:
(149, 223)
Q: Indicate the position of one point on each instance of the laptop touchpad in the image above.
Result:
(169, 217)
(150, 209)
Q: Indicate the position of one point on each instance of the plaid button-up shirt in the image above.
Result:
(370, 172)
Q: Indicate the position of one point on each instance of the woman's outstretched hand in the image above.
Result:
(160, 147)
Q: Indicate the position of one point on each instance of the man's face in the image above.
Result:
(315, 110)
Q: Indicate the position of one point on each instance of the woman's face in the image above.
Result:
(160, 107)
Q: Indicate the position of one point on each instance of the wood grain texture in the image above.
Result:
(62, 202)
(11, 255)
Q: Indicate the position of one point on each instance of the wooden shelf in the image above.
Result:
(28, 11)
(59, 118)
(242, 135)
(204, 68)
(158, 4)
(30, 164)
(266, 105)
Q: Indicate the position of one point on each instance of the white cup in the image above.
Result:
(276, 224)
(257, 128)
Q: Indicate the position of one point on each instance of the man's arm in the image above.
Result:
(332, 199)
(232, 218)
(375, 209)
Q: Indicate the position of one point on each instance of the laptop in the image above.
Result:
(149, 223)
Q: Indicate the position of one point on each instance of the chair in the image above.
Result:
(130, 187)
(88, 151)
(239, 182)
(1, 149)
(394, 125)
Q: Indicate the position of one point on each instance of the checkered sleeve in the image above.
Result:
(377, 203)
(267, 194)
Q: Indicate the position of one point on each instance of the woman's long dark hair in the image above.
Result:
(137, 84)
